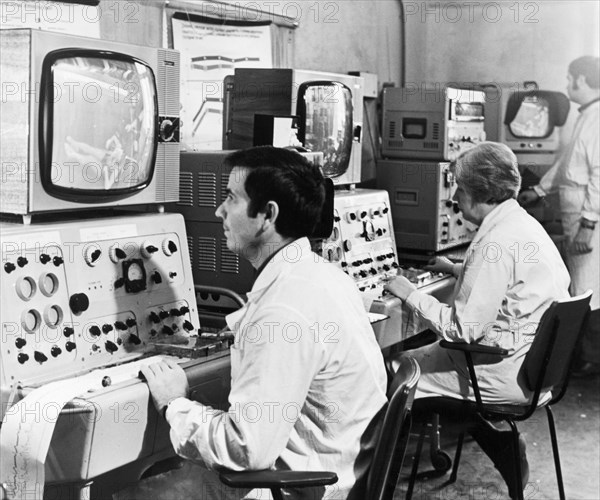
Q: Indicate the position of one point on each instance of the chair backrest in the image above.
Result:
(393, 438)
(547, 364)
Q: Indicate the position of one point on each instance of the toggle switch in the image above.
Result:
(44, 258)
(95, 330)
(55, 351)
(20, 342)
(9, 267)
(22, 261)
(68, 331)
(57, 261)
(69, 346)
(106, 328)
(22, 357)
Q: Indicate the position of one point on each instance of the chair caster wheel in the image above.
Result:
(441, 461)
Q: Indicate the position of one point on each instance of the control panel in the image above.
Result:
(424, 213)
(362, 241)
(85, 294)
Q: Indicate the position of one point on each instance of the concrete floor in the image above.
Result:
(578, 427)
(577, 419)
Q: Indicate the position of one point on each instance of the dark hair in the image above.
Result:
(489, 172)
(287, 178)
(589, 67)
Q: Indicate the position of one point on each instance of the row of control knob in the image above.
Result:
(9, 267)
(361, 214)
(93, 253)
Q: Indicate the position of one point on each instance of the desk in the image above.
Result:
(402, 322)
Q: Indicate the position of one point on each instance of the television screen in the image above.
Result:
(100, 125)
(532, 119)
(325, 125)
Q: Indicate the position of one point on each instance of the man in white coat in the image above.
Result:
(307, 375)
(576, 177)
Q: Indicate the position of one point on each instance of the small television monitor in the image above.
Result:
(526, 119)
(328, 106)
(325, 123)
(86, 123)
(434, 123)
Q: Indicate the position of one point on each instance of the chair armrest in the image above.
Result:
(277, 478)
(478, 348)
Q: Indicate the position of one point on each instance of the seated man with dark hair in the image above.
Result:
(511, 273)
(307, 375)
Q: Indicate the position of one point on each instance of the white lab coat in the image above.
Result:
(576, 177)
(307, 376)
(512, 273)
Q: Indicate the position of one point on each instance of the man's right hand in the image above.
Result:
(440, 265)
(527, 197)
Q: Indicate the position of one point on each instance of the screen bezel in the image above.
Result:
(301, 112)
(46, 120)
(551, 127)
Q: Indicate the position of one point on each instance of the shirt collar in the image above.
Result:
(498, 213)
(588, 104)
(279, 263)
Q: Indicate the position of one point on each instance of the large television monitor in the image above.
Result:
(328, 107)
(526, 119)
(86, 123)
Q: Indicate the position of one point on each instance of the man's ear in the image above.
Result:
(271, 212)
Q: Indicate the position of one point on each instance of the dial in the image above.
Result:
(134, 274)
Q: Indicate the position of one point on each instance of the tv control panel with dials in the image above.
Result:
(363, 244)
(362, 241)
(84, 294)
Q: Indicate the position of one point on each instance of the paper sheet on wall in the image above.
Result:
(209, 52)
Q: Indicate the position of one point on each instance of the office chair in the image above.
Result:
(546, 367)
(387, 458)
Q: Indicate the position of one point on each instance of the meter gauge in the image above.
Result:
(134, 275)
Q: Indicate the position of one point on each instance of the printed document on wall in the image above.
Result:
(210, 52)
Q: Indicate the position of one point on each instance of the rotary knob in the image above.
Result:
(115, 254)
(22, 261)
(55, 351)
(20, 342)
(111, 346)
(44, 258)
(79, 302)
(91, 255)
(148, 250)
(69, 346)
(40, 357)
(169, 247)
(68, 331)
(9, 267)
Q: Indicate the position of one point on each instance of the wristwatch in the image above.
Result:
(587, 224)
